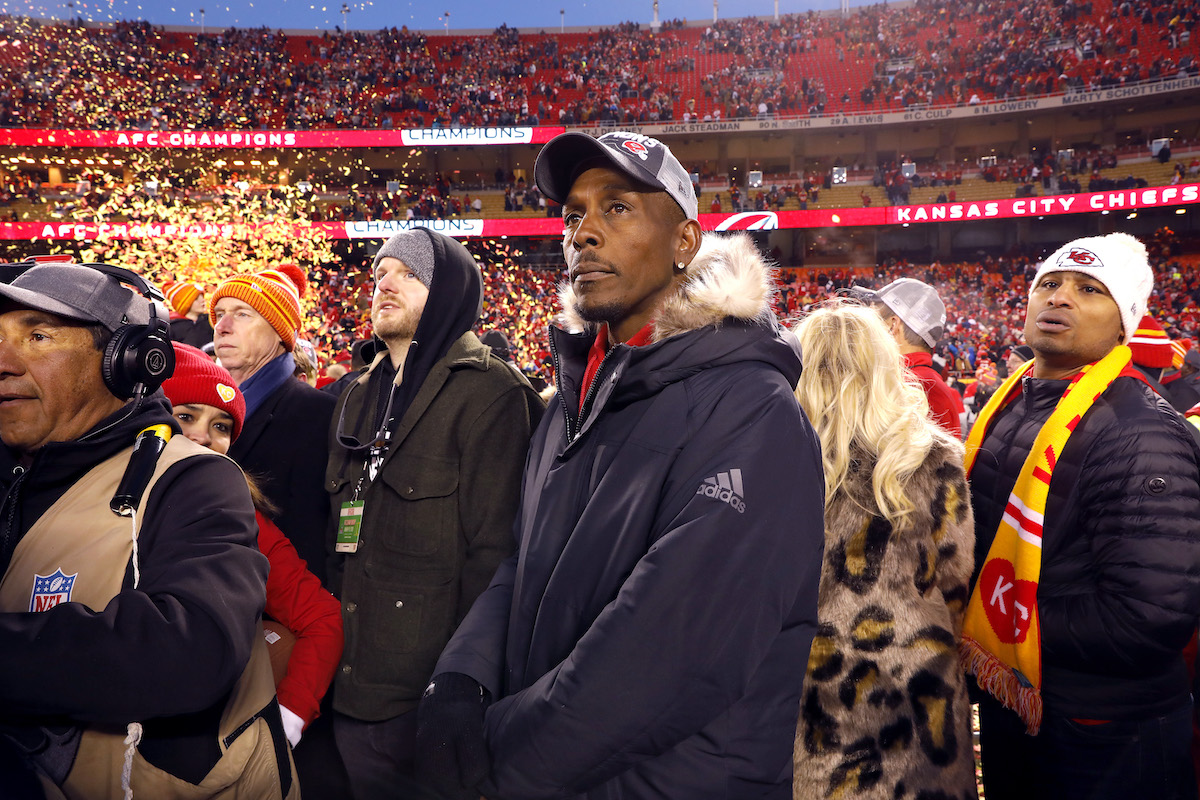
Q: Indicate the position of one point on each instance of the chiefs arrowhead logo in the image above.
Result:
(1009, 603)
(637, 148)
(227, 392)
(1081, 258)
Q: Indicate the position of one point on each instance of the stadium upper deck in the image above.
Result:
(928, 54)
(937, 84)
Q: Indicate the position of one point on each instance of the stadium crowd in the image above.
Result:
(411, 401)
(985, 299)
(430, 430)
(130, 75)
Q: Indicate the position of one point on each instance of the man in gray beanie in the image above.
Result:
(424, 475)
(414, 249)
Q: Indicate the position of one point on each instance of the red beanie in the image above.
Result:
(1150, 344)
(197, 379)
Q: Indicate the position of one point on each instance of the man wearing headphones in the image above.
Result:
(144, 654)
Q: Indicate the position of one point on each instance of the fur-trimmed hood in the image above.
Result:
(721, 316)
(727, 278)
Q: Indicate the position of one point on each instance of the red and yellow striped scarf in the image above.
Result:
(1001, 642)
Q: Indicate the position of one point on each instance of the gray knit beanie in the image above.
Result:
(414, 249)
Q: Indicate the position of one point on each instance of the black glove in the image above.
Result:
(451, 756)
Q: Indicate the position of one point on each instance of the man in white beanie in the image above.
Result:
(1087, 555)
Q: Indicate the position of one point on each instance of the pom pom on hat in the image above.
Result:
(1120, 262)
(1150, 345)
(274, 293)
(198, 379)
(297, 277)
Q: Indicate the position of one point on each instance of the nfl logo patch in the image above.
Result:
(50, 590)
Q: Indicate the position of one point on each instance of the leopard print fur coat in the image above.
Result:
(884, 712)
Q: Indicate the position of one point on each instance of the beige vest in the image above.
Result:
(78, 551)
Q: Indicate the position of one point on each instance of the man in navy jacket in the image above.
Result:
(650, 637)
(256, 320)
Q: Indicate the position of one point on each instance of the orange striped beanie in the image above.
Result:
(274, 293)
(1179, 351)
(181, 295)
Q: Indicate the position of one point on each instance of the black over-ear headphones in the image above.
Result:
(138, 358)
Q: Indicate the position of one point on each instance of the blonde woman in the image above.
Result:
(884, 710)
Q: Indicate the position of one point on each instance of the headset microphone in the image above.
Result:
(142, 461)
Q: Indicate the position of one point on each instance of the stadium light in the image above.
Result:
(714, 10)
(202, 22)
(562, 20)
(345, 11)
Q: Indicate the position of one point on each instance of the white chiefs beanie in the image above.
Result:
(1118, 261)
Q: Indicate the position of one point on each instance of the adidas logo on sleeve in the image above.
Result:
(726, 487)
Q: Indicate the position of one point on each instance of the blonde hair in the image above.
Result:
(856, 391)
(303, 367)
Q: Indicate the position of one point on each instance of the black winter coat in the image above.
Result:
(1119, 591)
(284, 445)
(197, 333)
(650, 637)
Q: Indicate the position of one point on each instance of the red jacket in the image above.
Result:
(944, 402)
(296, 600)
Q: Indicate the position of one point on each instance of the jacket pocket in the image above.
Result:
(415, 511)
(404, 627)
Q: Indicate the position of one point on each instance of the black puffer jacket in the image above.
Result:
(649, 639)
(1119, 590)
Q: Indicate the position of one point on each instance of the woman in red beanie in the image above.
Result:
(211, 410)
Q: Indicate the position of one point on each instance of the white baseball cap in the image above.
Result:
(917, 305)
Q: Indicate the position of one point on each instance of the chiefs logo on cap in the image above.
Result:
(637, 148)
(226, 392)
(1080, 258)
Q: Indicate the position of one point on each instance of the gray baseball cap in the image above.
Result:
(642, 158)
(79, 293)
(917, 305)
